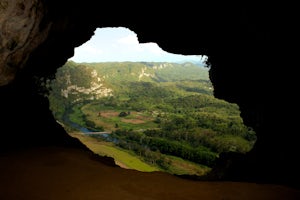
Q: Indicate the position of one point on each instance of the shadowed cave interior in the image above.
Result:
(243, 44)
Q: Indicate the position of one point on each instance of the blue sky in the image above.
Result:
(121, 44)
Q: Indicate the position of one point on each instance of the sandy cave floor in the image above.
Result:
(64, 173)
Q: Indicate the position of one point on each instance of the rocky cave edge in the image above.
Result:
(243, 43)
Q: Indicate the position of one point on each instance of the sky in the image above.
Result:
(120, 44)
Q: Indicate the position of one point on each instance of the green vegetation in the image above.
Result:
(122, 157)
(164, 114)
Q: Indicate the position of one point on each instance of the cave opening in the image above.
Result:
(148, 109)
(37, 37)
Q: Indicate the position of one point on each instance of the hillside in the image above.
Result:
(163, 113)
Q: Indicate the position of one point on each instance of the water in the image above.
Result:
(75, 125)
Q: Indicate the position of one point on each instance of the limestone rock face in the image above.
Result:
(20, 34)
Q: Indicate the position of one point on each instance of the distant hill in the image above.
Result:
(88, 81)
(197, 63)
(151, 71)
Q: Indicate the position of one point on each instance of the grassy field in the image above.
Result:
(122, 158)
(180, 166)
(108, 118)
(128, 160)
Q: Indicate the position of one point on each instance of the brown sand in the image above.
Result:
(62, 173)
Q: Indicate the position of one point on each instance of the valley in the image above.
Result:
(163, 114)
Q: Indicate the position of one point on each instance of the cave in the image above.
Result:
(249, 58)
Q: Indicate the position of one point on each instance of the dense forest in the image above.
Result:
(157, 111)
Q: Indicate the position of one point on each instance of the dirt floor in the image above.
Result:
(63, 173)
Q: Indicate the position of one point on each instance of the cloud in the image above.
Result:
(152, 48)
(121, 44)
(89, 49)
(128, 40)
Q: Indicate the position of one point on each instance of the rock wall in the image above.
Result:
(20, 34)
(244, 43)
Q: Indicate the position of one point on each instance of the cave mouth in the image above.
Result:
(149, 114)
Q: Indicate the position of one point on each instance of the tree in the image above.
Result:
(123, 114)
